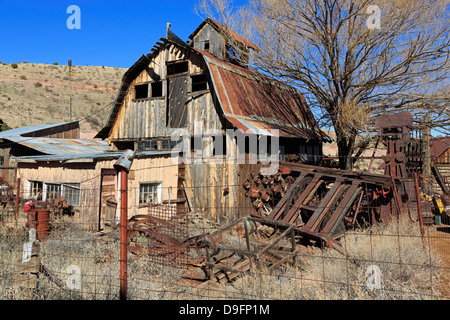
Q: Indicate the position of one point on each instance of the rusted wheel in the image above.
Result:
(205, 245)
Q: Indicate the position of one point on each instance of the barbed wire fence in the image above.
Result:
(56, 251)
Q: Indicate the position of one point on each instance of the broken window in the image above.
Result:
(206, 46)
(177, 68)
(141, 91)
(199, 83)
(149, 193)
(147, 145)
(169, 144)
(36, 188)
(157, 89)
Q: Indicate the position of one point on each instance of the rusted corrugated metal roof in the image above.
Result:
(252, 101)
(439, 146)
(55, 146)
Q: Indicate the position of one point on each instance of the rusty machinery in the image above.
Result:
(324, 202)
(7, 198)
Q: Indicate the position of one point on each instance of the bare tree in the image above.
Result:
(353, 59)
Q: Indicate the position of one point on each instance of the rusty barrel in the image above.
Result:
(43, 223)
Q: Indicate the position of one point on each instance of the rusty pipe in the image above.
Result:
(123, 233)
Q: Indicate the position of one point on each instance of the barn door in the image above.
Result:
(177, 109)
(108, 198)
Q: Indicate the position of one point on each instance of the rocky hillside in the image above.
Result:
(33, 94)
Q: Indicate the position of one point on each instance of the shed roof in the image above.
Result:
(94, 156)
(23, 131)
(56, 146)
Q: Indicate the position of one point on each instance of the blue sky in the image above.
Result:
(113, 33)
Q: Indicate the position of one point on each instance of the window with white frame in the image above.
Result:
(42, 191)
(149, 193)
(35, 190)
(53, 191)
(71, 192)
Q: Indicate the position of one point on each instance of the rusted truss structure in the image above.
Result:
(322, 202)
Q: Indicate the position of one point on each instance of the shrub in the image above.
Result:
(38, 84)
(14, 65)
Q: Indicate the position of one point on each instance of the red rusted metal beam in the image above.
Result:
(123, 233)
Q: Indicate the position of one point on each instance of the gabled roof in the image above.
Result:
(28, 130)
(250, 100)
(221, 28)
(439, 146)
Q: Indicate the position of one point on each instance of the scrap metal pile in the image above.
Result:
(301, 203)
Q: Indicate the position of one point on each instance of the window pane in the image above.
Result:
(53, 191)
(148, 193)
(71, 192)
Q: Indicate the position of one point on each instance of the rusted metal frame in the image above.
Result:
(419, 208)
(313, 235)
(304, 197)
(291, 255)
(270, 222)
(338, 215)
(275, 241)
(323, 207)
(233, 224)
(397, 199)
(276, 212)
(17, 201)
(247, 253)
(357, 208)
(373, 178)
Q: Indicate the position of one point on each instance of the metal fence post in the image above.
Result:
(123, 233)
(123, 165)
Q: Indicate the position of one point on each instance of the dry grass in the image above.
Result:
(407, 270)
(39, 93)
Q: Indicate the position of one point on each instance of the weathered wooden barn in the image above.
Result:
(197, 95)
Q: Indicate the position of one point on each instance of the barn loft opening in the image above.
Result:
(177, 68)
(199, 83)
(157, 89)
(141, 91)
(206, 46)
